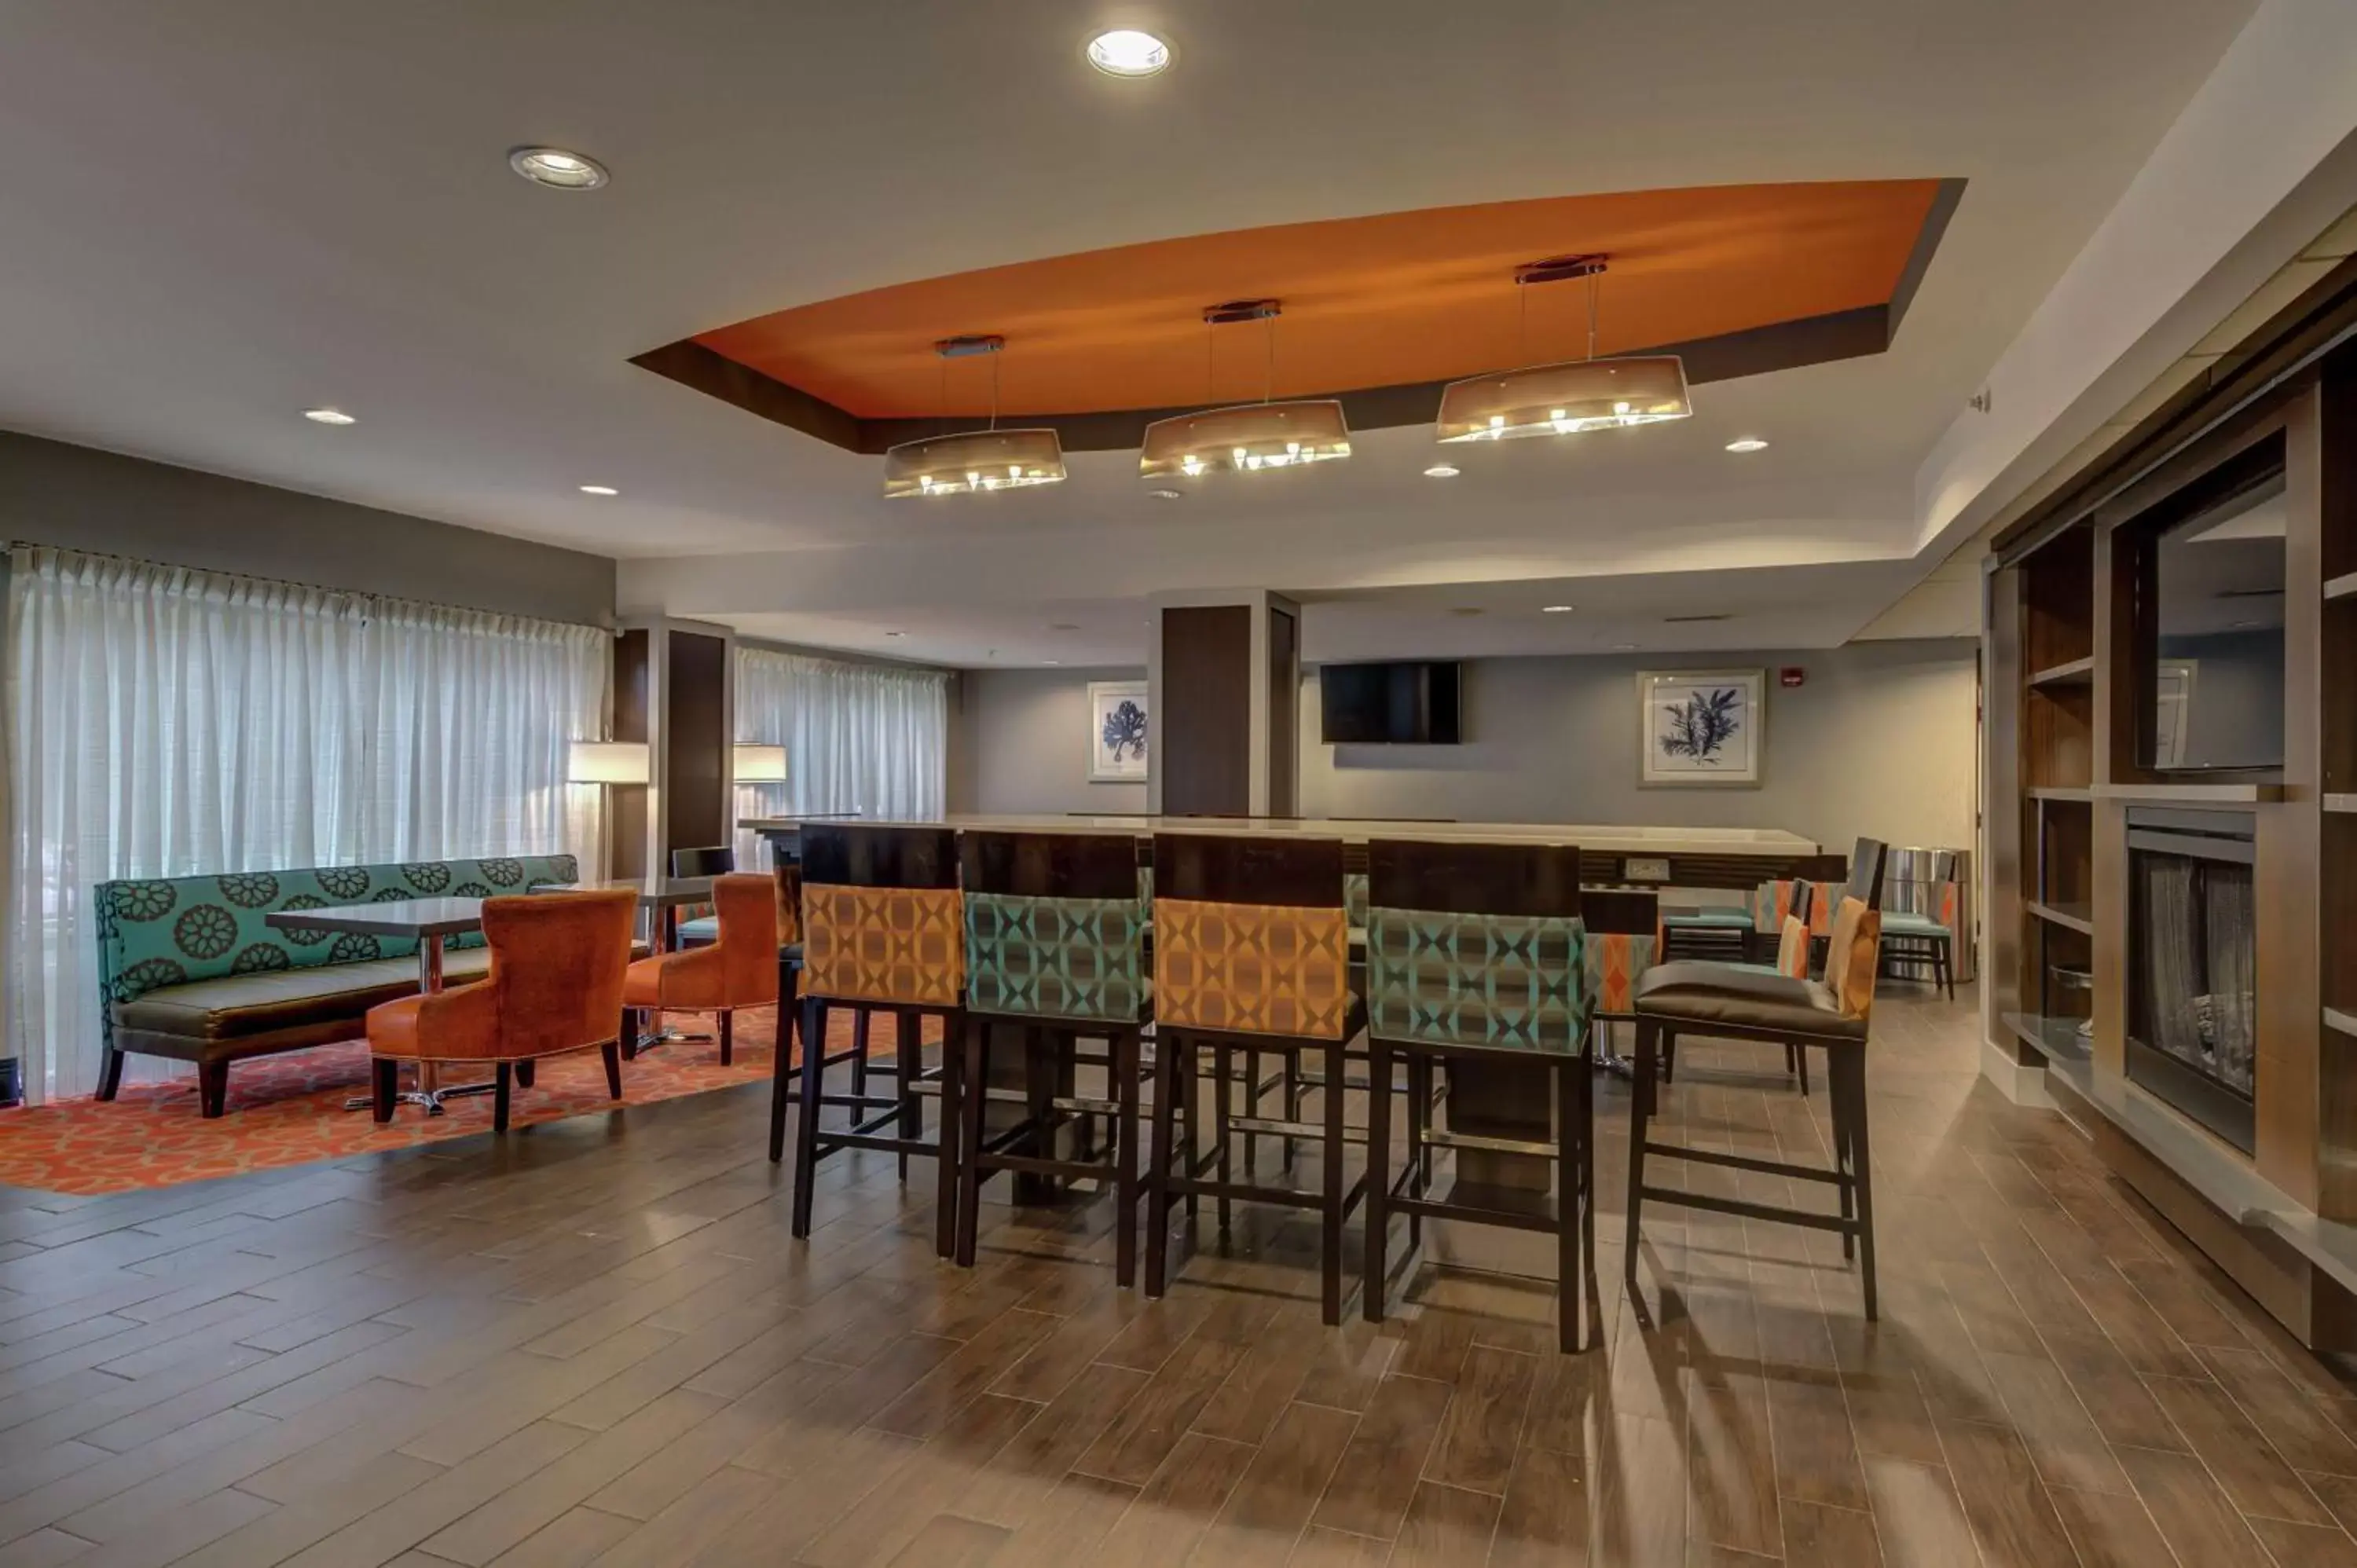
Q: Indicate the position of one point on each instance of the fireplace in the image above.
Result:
(2192, 957)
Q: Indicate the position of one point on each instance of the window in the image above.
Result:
(863, 738)
(167, 723)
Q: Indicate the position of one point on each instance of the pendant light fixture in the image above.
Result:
(969, 460)
(1569, 398)
(1248, 437)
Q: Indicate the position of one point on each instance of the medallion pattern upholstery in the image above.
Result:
(1500, 981)
(169, 931)
(1056, 958)
(1616, 962)
(1261, 969)
(883, 944)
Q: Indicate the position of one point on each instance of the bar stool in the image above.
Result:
(1474, 953)
(1251, 952)
(1055, 945)
(1911, 938)
(1728, 1004)
(1622, 942)
(882, 932)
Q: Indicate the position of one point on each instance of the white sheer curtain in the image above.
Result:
(858, 737)
(167, 723)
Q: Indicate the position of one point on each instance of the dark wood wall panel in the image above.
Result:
(1284, 714)
(1204, 751)
(625, 804)
(695, 742)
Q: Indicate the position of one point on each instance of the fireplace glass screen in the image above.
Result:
(2193, 949)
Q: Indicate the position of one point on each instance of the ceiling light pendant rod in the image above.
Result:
(1591, 310)
(1569, 397)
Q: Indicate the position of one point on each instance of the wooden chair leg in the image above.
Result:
(1329, 1249)
(525, 1073)
(1640, 1096)
(949, 1174)
(1570, 1203)
(1169, 1055)
(1379, 1165)
(503, 1080)
(813, 1098)
(1669, 1055)
(1801, 1053)
(1224, 1058)
(974, 1054)
(1190, 1095)
(612, 1051)
(1419, 1151)
(1292, 1102)
(859, 1050)
(1251, 1108)
(1125, 1158)
(384, 1084)
(212, 1088)
(1852, 1065)
(110, 1074)
(908, 1067)
(728, 1038)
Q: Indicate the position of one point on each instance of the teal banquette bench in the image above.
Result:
(189, 970)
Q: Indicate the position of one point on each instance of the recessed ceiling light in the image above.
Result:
(329, 417)
(599, 490)
(1441, 471)
(1051, 661)
(1624, 648)
(904, 634)
(1168, 495)
(557, 168)
(1467, 610)
(1747, 444)
(1127, 52)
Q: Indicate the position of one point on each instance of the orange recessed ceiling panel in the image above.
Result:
(1388, 307)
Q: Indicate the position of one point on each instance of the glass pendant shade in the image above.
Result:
(1565, 399)
(974, 460)
(1245, 439)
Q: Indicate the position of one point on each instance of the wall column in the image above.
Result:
(674, 688)
(1223, 681)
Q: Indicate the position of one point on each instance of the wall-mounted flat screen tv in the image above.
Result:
(1409, 703)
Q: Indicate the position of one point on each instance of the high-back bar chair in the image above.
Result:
(1055, 948)
(1476, 952)
(1251, 952)
(1724, 1002)
(883, 932)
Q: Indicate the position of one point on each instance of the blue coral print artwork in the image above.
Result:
(1119, 732)
(1701, 726)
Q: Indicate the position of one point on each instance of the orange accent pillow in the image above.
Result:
(1792, 949)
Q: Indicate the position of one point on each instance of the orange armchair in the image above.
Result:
(554, 985)
(740, 970)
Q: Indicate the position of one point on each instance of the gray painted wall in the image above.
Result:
(1880, 740)
(1019, 742)
(52, 493)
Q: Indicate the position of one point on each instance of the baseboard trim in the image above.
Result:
(2024, 1083)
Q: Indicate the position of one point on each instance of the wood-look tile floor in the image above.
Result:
(595, 1342)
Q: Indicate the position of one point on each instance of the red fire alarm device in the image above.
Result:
(1791, 675)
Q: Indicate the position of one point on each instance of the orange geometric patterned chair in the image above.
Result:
(740, 970)
(1252, 952)
(883, 929)
(554, 985)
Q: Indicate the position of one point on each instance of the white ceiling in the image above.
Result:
(217, 215)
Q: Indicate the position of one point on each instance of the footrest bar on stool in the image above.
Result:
(1744, 1163)
(1741, 1209)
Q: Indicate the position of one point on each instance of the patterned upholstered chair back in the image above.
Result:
(1054, 926)
(1250, 935)
(1854, 957)
(1623, 940)
(1771, 902)
(1476, 945)
(881, 919)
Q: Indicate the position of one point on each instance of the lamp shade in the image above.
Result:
(758, 763)
(1565, 399)
(1245, 439)
(974, 460)
(607, 762)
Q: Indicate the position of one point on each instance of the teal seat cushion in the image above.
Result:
(1899, 924)
(1502, 982)
(694, 933)
(1713, 919)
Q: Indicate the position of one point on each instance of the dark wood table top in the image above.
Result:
(394, 918)
(654, 892)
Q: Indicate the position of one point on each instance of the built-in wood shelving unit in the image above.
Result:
(2334, 1018)
(2341, 588)
(2341, 803)
(2079, 917)
(2192, 794)
(2077, 672)
(2068, 794)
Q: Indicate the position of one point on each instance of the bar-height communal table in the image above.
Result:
(1499, 1104)
(429, 922)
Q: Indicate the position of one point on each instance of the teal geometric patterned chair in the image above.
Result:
(189, 970)
(1477, 952)
(1055, 950)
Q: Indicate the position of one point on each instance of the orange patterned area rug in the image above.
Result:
(289, 1110)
